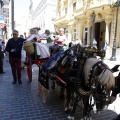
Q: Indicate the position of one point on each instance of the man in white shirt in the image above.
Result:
(60, 40)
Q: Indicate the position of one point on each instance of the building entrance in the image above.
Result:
(100, 33)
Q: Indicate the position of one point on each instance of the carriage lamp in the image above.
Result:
(92, 17)
(116, 5)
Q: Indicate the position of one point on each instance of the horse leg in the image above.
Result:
(62, 90)
(87, 109)
(53, 84)
(75, 103)
(67, 99)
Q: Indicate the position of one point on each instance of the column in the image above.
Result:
(108, 20)
(69, 8)
(89, 24)
(81, 28)
(107, 33)
(77, 28)
(69, 33)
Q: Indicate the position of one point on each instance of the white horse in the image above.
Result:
(94, 91)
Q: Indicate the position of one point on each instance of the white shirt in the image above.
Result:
(60, 39)
(94, 42)
(42, 50)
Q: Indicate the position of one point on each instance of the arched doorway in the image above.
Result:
(100, 33)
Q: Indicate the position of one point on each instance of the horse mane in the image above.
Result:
(87, 67)
(106, 78)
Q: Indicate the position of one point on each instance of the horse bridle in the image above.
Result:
(91, 73)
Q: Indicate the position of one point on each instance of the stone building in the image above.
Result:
(4, 11)
(41, 14)
(88, 19)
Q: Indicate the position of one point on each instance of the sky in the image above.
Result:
(21, 9)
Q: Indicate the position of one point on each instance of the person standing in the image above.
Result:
(94, 43)
(14, 47)
(1, 58)
(50, 39)
(23, 55)
(104, 45)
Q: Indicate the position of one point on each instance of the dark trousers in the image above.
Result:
(1, 64)
(16, 67)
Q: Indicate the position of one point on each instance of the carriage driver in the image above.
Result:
(59, 41)
(42, 49)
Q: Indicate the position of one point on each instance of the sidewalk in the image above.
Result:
(109, 54)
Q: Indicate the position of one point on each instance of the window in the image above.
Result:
(86, 29)
(66, 33)
(65, 10)
(74, 6)
(59, 14)
(74, 34)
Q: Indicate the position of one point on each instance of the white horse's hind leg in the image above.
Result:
(66, 109)
(70, 117)
(85, 118)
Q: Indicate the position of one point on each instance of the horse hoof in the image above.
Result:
(70, 117)
(85, 118)
(66, 110)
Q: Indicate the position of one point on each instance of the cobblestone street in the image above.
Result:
(21, 102)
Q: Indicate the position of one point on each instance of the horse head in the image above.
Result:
(99, 75)
(117, 83)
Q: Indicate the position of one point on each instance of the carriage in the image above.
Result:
(31, 57)
(66, 70)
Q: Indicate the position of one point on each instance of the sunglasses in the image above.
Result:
(14, 34)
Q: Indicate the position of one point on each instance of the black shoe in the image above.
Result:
(14, 81)
(2, 72)
(19, 81)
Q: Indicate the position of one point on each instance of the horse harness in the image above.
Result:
(93, 75)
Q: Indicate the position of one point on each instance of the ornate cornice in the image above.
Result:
(87, 3)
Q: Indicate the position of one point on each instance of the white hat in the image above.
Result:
(61, 29)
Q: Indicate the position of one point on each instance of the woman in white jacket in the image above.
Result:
(42, 49)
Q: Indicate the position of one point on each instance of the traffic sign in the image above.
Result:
(1, 25)
(2, 17)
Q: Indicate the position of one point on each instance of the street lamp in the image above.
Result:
(113, 57)
(92, 17)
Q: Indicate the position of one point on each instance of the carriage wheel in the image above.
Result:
(29, 69)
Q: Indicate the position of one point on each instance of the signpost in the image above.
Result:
(2, 22)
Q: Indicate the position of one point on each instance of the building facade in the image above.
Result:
(11, 18)
(4, 11)
(88, 19)
(42, 13)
